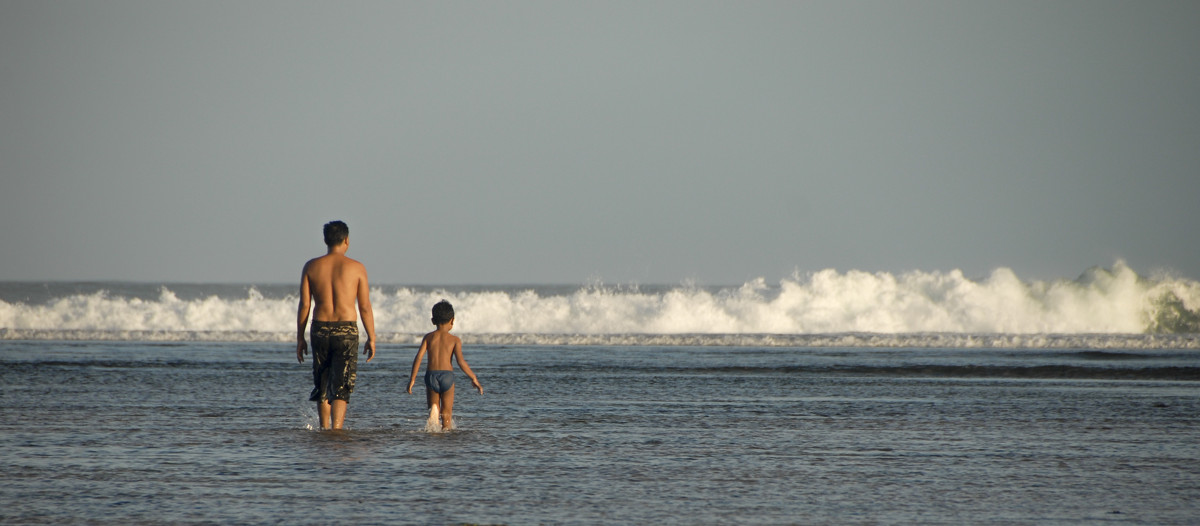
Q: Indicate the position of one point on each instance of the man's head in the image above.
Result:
(335, 233)
(443, 313)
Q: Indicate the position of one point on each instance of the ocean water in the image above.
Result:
(177, 432)
(146, 404)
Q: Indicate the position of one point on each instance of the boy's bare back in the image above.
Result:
(442, 347)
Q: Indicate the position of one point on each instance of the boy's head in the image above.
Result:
(335, 233)
(443, 313)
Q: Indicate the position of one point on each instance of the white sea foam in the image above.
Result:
(100, 311)
(821, 308)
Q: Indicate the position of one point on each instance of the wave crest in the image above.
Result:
(1100, 301)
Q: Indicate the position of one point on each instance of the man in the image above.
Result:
(334, 283)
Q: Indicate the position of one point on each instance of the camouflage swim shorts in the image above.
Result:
(335, 359)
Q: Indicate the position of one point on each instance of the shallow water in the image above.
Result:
(106, 432)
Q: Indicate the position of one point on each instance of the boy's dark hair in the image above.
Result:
(443, 312)
(335, 233)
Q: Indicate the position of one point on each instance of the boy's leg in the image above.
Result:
(448, 408)
(432, 404)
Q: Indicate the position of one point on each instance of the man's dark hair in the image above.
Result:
(443, 312)
(335, 233)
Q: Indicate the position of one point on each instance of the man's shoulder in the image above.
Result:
(310, 264)
(318, 260)
(348, 263)
(335, 259)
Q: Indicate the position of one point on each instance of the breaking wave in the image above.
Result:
(1102, 308)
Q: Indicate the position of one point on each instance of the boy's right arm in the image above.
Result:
(412, 379)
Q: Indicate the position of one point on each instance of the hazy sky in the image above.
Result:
(565, 142)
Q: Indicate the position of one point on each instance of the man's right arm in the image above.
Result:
(302, 315)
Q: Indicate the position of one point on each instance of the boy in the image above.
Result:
(439, 373)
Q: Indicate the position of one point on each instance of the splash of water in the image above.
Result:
(434, 423)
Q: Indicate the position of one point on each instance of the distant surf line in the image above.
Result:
(856, 339)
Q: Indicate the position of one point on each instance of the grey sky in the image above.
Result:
(561, 142)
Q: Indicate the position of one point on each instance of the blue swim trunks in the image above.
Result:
(439, 381)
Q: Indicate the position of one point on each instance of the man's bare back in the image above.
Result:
(340, 291)
(336, 284)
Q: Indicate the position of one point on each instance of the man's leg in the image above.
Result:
(323, 413)
(320, 368)
(339, 378)
(338, 412)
